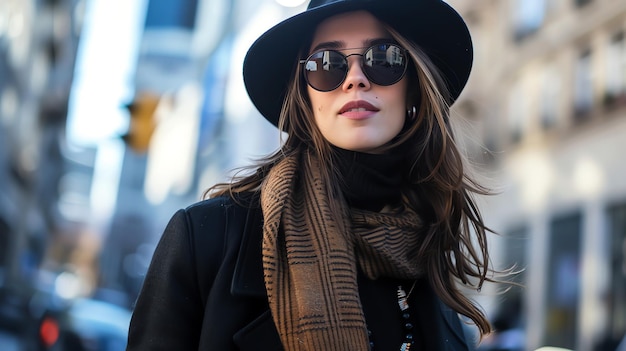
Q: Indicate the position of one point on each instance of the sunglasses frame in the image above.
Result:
(404, 51)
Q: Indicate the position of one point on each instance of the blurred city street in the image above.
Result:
(9, 342)
(114, 114)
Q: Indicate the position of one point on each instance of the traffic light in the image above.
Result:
(142, 121)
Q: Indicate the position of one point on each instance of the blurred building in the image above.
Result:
(547, 98)
(103, 138)
(191, 125)
(38, 43)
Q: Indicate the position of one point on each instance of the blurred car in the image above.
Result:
(75, 323)
(43, 318)
(98, 325)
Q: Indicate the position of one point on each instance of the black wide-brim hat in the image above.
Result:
(431, 24)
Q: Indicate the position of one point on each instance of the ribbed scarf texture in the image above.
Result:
(310, 265)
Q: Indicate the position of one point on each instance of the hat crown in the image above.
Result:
(318, 3)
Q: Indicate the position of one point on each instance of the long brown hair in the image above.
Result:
(439, 186)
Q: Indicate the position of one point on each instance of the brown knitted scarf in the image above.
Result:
(310, 265)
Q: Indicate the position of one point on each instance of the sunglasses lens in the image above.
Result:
(384, 64)
(325, 70)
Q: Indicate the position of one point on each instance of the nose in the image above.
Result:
(355, 77)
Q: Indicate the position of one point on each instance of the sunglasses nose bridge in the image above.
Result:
(348, 65)
(353, 78)
(355, 54)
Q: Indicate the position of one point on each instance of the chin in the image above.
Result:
(361, 142)
(368, 148)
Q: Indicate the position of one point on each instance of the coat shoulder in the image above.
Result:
(211, 217)
(217, 227)
(213, 206)
(210, 209)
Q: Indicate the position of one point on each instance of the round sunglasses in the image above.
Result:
(382, 64)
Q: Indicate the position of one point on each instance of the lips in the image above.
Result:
(358, 106)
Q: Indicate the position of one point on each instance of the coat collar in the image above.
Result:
(248, 275)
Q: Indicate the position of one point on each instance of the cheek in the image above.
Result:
(399, 103)
(318, 104)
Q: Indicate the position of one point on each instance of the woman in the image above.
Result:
(355, 234)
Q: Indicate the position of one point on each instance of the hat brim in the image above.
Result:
(431, 24)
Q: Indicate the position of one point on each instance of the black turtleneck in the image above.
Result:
(370, 181)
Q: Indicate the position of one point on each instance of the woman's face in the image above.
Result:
(358, 115)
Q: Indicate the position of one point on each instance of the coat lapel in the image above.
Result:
(248, 276)
(261, 334)
(453, 335)
(248, 282)
(440, 324)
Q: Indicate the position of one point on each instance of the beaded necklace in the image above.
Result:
(403, 303)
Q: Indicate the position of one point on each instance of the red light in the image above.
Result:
(49, 331)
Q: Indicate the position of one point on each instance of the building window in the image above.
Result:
(517, 112)
(580, 3)
(617, 252)
(583, 89)
(563, 284)
(5, 245)
(515, 247)
(528, 17)
(552, 6)
(171, 14)
(550, 97)
(509, 316)
(615, 93)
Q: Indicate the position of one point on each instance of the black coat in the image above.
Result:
(204, 289)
